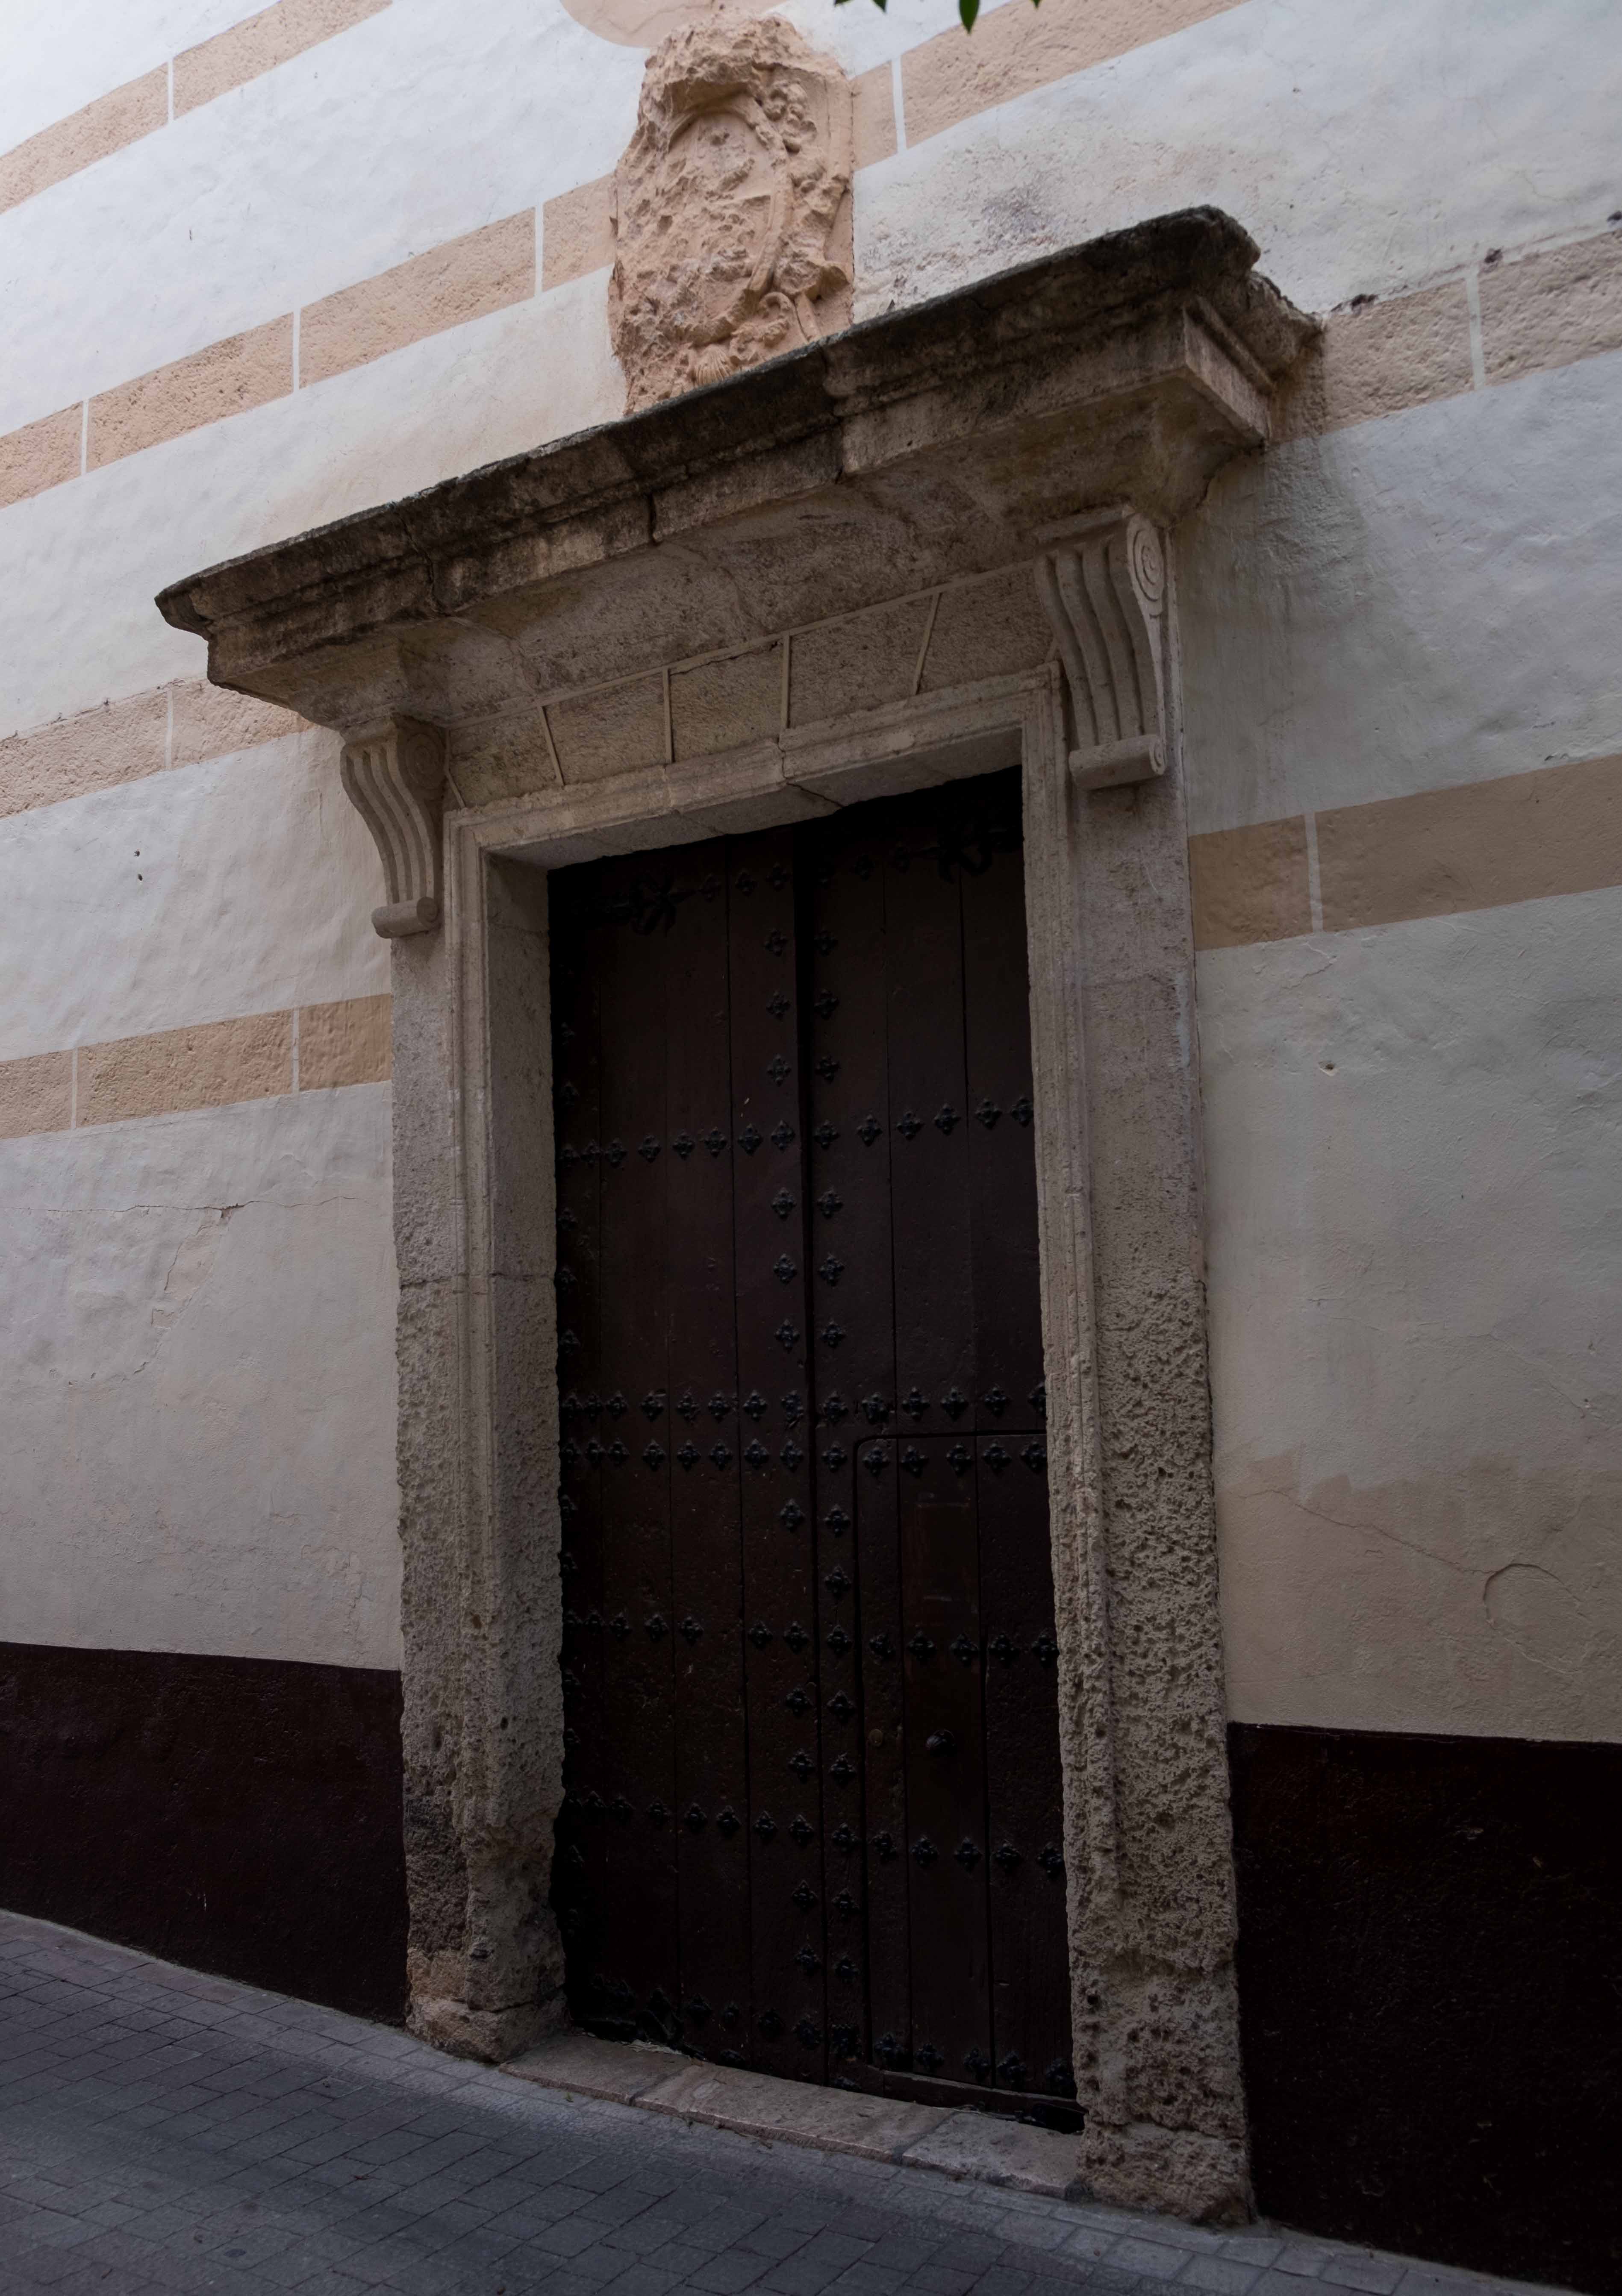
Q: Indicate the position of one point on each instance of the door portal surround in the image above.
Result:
(939, 545)
(1147, 1850)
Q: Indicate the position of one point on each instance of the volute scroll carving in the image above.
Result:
(726, 204)
(394, 777)
(1102, 581)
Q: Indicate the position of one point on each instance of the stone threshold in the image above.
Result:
(959, 2142)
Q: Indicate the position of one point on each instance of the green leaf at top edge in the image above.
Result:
(968, 10)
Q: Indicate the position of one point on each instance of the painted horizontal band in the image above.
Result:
(1545, 309)
(184, 723)
(1439, 853)
(467, 278)
(215, 1064)
(945, 79)
(126, 115)
(1477, 845)
(1016, 50)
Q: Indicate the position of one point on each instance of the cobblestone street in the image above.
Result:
(165, 2131)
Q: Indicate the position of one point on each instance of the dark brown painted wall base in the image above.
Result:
(1431, 1984)
(1430, 1929)
(237, 1815)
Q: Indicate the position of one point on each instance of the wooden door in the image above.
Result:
(813, 1814)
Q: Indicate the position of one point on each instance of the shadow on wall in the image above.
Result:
(241, 1816)
(1430, 1987)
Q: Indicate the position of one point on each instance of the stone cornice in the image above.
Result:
(923, 444)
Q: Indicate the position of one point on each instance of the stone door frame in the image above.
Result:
(1055, 424)
(1107, 908)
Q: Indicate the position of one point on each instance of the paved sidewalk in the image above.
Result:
(165, 2131)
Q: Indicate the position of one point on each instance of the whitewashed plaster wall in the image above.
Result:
(1414, 1141)
(1414, 1353)
(196, 1321)
(1409, 604)
(244, 885)
(1365, 146)
(1415, 1145)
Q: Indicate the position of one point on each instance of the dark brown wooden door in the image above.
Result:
(811, 1753)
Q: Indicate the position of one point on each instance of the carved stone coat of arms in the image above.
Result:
(727, 206)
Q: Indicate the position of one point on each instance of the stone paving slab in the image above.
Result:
(163, 2134)
(962, 2144)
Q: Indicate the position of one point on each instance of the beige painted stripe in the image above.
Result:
(213, 1065)
(1543, 310)
(120, 741)
(209, 1066)
(485, 270)
(258, 44)
(41, 455)
(181, 725)
(466, 278)
(873, 116)
(1250, 884)
(1477, 845)
(1440, 853)
(209, 722)
(227, 378)
(347, 1043)
(36, 1095)
(1018, 47)
(1550, 309)
(1444, 852)
(124, 114)
(577, 233)
(1380, 359)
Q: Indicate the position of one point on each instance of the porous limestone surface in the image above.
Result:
(725, 204)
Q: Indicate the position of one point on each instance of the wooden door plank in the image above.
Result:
(788, 1973)
(1009, 1394)
(580, 1869)
(946, 1760)
(841, 912)
(640, 1908)
(935, 1364)
(705, 1618)
(884, 1721)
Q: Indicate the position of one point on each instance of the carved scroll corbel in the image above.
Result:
(394, 775)
(1102, 581)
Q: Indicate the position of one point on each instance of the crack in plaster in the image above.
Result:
(1575, 1613)
(191, 1267)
